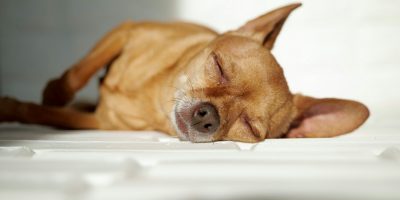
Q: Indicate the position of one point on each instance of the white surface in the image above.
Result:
(50, 164)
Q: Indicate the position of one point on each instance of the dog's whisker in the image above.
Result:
(194, 124)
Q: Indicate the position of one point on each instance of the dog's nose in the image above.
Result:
(205, 119)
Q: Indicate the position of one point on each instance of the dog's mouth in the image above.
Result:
(181, 126)
(182, 115)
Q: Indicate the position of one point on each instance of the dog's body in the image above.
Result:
(138, 90)
(184, 79)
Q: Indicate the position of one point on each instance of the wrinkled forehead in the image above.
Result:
(237, 45)
(247, 58)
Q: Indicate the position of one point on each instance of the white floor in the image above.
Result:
(40, 163)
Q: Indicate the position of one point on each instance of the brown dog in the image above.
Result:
(184, 79)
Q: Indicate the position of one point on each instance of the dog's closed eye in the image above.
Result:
(219, 68)
(247, 122)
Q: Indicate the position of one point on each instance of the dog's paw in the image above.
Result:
(57, 93)
(294, 133)
(8, 109)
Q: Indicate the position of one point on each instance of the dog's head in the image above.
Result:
(234, 89)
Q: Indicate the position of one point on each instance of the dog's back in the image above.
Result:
(150, 57)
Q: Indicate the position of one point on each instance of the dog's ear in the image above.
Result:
(326, 117)
(267, 27)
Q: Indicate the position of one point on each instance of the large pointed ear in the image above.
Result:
(267, 27)
(326, 117)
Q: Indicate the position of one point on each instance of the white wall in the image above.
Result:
(341, 48)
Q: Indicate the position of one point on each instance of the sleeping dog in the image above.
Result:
(187, 80)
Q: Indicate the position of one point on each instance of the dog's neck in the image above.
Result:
(170, 84)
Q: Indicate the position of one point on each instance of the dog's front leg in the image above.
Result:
(60, 91)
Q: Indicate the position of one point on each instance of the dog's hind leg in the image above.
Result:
(12, 110)
(60, 91)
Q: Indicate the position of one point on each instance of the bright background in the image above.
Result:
(342, 48)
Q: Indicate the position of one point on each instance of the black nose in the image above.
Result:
(205, 119)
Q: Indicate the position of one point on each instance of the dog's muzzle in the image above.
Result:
(197, 122)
